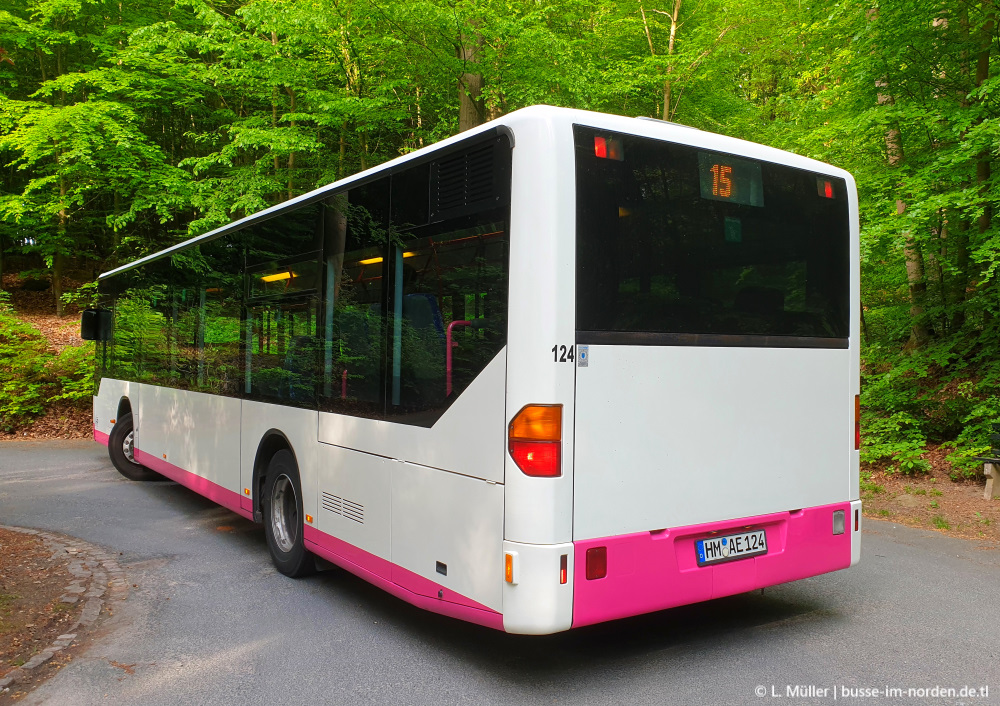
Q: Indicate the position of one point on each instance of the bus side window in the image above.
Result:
(356, 236)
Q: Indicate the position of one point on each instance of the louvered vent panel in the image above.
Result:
(348, 509)
(354, 511)
(465, 179)
(333, 503)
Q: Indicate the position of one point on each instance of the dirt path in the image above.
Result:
(933, 501)
(53, 590)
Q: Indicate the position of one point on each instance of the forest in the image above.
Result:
(127, 127)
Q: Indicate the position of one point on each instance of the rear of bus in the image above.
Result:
(717, 374)
(711, 433)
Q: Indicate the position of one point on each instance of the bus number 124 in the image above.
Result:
(562, 354)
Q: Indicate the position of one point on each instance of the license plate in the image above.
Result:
(730, 547)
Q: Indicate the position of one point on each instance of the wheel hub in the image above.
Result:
(284, 513)
(128, 446)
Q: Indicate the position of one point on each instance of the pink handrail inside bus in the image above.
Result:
(448, 345)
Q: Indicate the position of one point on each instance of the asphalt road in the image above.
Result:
(211, 622)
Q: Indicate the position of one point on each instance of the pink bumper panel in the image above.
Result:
(650, 571)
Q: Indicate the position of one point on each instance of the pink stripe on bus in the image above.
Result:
(400, 582)
(100, 437)
(650, 571)
(203, 486)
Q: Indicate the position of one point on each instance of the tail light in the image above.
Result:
(857, 422)
(534, 440)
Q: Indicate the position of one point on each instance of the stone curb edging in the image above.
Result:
(96, 577)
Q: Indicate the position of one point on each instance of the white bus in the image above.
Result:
(560, 369)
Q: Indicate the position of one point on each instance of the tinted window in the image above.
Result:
(282, 344)
(449, 287)
(177, 321)
(676, 240)
(357, 238)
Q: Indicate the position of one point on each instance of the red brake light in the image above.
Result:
(597, 563)
(600, 147)
(536, 458)
(824, 187)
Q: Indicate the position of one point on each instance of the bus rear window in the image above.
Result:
(686, 246)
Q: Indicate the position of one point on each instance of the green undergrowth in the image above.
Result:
(32, 377)
(944, 393)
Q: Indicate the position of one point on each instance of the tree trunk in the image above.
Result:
(983, 167)
(291, 155)
(668, 110)
(470, 85)
(916, 283)
(343, 150)
(57, 258)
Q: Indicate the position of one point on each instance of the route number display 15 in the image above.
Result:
(727, 178)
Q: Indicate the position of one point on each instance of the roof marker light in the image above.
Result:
(608, 148)
(600, 147)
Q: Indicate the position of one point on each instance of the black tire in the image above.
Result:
(282, 505)
(120, 450)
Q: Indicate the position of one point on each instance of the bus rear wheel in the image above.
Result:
(283, 517)
(121, 448)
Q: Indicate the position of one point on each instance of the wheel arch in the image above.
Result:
(273, 441)
(124, 407)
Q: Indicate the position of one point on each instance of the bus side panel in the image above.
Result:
(106, 401)
(298, 426)
(354, 502)
(448, 529)
(474, 421)
(190, 431)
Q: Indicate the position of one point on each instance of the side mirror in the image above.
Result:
(95, 325)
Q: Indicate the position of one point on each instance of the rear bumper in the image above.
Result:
(650, 571)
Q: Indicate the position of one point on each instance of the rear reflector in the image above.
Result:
(856, 519)
(838, 521)
(534, 440)
(563, 560)
(597, 563)
(857, 422)
(510, 567)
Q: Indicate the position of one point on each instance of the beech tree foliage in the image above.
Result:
(125, 127)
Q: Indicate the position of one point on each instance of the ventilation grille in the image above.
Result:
(465, 179)
(344, 507)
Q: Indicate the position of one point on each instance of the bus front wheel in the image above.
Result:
(121, 448)
(283, 517)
